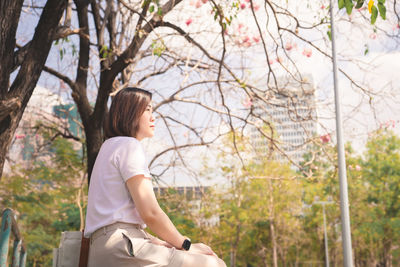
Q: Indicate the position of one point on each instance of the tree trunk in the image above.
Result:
(31, 67)
(274, 246)
(387, 255)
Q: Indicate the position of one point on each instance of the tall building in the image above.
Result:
(290, 108)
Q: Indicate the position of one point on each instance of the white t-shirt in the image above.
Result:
(109, 201)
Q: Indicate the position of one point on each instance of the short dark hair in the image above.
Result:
(127, 107)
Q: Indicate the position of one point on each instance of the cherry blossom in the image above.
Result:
(247, 103)
(288, 46)
(256, 39)
(188, 21)
(198, 4)
(372, 36)
(19, 136)
(307, 52)
(242, 6)
(325, 138)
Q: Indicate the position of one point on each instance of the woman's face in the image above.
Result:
(146, 124)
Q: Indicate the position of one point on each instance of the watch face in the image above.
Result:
(186, 244)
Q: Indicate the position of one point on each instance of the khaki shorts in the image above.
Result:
(123, 244)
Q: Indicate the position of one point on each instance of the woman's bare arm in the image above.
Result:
(142, 193)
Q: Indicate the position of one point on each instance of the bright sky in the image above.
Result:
(376, 71)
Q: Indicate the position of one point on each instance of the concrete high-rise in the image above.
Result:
(290, 108)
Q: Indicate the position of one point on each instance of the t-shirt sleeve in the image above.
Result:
(130, 160)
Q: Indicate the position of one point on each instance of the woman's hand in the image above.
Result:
(157, 241)
(201, 248)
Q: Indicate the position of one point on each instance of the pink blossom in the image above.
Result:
(62, 85)
(279, 59)
(325, 138)
(198, 4)
(323, 7)
(350, 167)
(248, 1)
(358, 168)
(271, 61)
(242, 6)
(256, 7)
(256, 39)
(19, 136)
(372, 36)
(307, 52)
(188, 21)
(247, 103)
(204, 1)
(288, 46)
(246, 39)
(239, 28)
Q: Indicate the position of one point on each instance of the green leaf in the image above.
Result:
(145, 3)
(382, 10)
(159, 11)
(381, 1)
(349, 6)
(374, 14)
(341, 4)
(151, 9)
(366, 50)
(359, 4)
(329, 34)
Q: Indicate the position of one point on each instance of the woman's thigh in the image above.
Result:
(126, 248)
(201, 260)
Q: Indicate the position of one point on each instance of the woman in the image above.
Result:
(121, 199)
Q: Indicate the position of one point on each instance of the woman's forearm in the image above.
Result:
(162, 226)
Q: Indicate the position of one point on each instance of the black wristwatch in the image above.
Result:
(186, 244)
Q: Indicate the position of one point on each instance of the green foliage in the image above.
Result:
(374, 193)
(374, 14)
(45, 198)
(241, 219)
(374, 9)
(158, 47)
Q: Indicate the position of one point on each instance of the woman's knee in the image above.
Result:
(221, 263)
